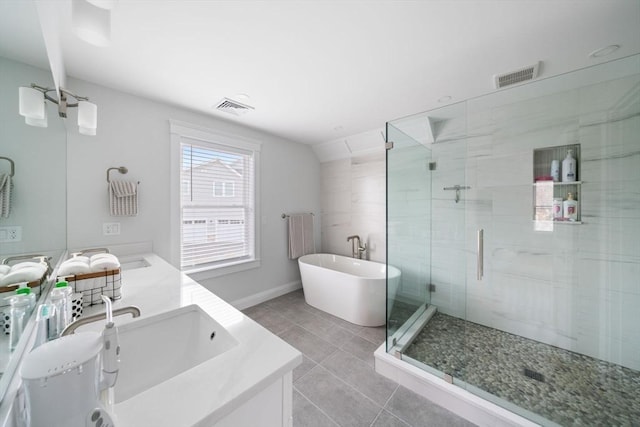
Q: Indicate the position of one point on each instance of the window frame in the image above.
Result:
(182, 132)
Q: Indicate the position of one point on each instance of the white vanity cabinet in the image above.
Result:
(272, 407)
(248, 384)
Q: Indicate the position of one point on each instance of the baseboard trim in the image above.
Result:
(263, 296)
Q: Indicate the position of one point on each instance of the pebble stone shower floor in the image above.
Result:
(567, 388)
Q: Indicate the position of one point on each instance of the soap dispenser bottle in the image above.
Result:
(22, 304)
(570, 208)
(569, 173)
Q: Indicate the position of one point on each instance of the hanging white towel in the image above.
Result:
(123, 198)
(301, 240)
(5, 195)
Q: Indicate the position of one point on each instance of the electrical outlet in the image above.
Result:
(12, 233)
(111, 228)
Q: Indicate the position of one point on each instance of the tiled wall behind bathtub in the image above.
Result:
(353, 202)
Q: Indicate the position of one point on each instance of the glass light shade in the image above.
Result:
(91, 23)
(87, 117)
(42, 123)
(32, 103)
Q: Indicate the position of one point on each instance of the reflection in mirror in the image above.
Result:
(33, 215)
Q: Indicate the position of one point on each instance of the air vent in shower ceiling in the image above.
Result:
(517, 76)
(233, 107)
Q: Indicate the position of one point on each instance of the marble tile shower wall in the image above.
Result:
(575, 287)
(353, 202)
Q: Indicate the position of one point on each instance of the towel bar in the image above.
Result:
(284, 215)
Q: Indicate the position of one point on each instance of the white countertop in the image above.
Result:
(213, 389)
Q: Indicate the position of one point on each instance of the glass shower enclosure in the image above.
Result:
(519, 284)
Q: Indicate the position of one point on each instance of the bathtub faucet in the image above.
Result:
(356, 249)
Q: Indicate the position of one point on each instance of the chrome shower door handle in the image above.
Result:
(480, 261)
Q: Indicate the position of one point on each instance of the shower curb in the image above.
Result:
(451, 397)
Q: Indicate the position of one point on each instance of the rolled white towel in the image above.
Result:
(103, 255)
(4, 268)
(104, 263)
(80, 258)
(29, 264)
(70, 267)
(27, 274)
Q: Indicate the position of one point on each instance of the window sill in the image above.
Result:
(204, 273)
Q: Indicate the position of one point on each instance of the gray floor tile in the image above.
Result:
(342, 403)
(360, 348)
(336, 320)
(386, 419)
(306, 414)
(306, 366)
(420, 412)
(312, 346)
(375, 335)
(360, 376)
(271, 320)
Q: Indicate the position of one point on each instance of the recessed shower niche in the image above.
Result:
(557, 185)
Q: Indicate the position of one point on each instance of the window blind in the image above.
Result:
(217, 195)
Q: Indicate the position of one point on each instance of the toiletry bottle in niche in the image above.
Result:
(555, 170)
(570, 208)
(557, 208)
(569, 168)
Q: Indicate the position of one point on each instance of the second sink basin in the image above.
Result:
(157, 348)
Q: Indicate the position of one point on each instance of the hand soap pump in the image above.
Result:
(64, 378)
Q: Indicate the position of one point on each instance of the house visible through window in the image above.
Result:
(217, 204)
(223, 189)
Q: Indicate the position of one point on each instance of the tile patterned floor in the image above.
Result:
(336, 385)
(567, 388)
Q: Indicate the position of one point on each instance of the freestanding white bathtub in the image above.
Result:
(349, 288)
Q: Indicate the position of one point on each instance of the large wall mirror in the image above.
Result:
(37, 158)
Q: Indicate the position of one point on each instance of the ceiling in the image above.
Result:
(316, 71)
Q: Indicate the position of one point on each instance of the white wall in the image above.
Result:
(39, 157)
(134, 132)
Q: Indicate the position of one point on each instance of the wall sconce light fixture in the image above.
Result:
(33, 107)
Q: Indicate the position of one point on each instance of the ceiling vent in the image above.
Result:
(517, 76)
(233, 107)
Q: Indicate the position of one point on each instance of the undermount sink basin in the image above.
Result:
(132, 264)
(157, 348)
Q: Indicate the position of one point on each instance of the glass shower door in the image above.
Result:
(408, 235)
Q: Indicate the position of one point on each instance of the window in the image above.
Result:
(223, 189)
(217, 200)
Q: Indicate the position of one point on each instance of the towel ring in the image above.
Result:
(121, 169)
(13, 165)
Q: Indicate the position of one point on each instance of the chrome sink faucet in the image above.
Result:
(356, 249)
